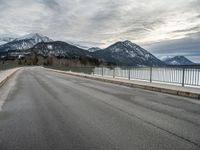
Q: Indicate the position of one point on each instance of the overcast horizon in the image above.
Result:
(163, 28)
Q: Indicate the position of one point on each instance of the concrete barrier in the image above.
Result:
(8, 76)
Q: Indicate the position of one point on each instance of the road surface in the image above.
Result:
(44, 110)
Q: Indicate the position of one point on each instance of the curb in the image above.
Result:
(134, 85)
(8, 77)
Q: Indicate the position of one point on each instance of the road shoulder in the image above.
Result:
(4, 77)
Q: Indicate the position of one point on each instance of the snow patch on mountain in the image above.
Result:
(94, 49)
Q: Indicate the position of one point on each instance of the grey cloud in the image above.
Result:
(102, 22)
(189, 46)
(197, 28)
(51, 4)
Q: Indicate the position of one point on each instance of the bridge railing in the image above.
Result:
(173, 75)
(178, 75)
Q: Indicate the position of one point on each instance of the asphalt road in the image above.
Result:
(45, 110)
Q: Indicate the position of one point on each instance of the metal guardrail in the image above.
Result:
(173, 75)
(179, 75)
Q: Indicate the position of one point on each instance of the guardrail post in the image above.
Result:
(198, 83)
(151, 68)
(93, 71)
(102, 71)
(129, 73)
(114, 72)
(183, 77)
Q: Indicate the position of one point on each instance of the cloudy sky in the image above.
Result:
(165, 28)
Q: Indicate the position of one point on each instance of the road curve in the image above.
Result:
(45, 110)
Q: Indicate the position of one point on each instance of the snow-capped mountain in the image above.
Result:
(94, 49)
(36, 37)
(128, 53)
(177, 60)
(4, 40)
(59, 49)
(25, 42)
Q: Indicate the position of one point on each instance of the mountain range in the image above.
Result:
(178, 60)
(119, 53)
